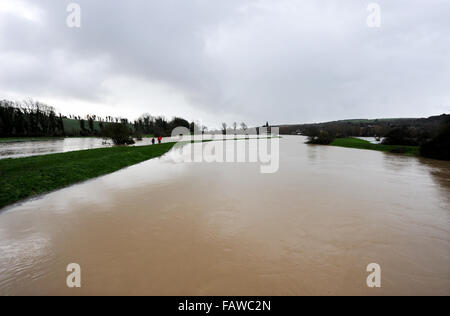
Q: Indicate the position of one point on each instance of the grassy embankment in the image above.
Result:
(364, 144)
(21, 178)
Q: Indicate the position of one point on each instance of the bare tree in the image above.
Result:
(244, 128)
(224, 128)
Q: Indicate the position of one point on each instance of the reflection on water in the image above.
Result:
(33, 148)
(225, 229)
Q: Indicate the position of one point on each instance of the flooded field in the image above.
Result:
(34, 148)
(166, 228)
(52, 146)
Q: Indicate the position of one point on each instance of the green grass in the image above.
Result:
(72, 126)
(21, 178)
(364, 144)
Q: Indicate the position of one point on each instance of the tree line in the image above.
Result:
(36, 119)
(159, 126)
(29, 119)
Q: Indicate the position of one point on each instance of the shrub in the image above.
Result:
(438, 147)
(138, 134)
(119, 133)
(322, 138)
(400, 136)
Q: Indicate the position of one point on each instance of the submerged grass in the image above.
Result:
(21, 178)
(364, 144)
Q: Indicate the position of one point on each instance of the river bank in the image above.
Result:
(21, 178)
(364, 144)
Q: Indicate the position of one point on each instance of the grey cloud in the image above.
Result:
(283, 61)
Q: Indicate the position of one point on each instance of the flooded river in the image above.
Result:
(166, 228)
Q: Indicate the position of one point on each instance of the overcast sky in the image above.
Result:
(282, 61)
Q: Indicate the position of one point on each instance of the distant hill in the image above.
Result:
(370, 127)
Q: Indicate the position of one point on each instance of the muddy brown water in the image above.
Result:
(165, 228)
